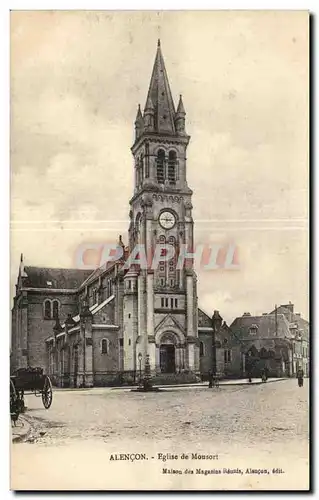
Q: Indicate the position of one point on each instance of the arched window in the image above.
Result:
(147, 166)
(137, 167)
(201, 349)
(160, 166)
(141, 169)
(105, 346)
(47, 309)
(55, 309)
(227, 356)
(171, 171)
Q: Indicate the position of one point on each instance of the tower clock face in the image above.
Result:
(167, 220)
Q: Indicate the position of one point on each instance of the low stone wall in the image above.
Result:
(175, 378)
(115, 379)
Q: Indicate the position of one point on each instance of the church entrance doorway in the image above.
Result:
(167, 358)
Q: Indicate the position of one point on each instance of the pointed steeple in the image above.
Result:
(139, 117)
(22, 272)
(120, 242)
(139, 123)
(159, 94)
(180, 107)
(180, 118)
(149, 115)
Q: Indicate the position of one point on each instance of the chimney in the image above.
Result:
(290, 307)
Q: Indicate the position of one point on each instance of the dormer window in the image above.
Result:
(253, 329)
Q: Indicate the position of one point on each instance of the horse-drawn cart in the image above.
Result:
(29, 381)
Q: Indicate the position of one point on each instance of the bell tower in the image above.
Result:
(164, 326)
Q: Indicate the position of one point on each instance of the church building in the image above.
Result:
(96, 328)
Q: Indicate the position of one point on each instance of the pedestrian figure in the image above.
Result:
(300, 377)
(210, 380)
(263, 376)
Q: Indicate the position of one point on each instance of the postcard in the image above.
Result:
(159, 250)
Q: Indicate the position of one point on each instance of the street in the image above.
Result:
(78, 442)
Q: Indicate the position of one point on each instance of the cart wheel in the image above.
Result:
(21, 404)
(13, 392)
(47, 393)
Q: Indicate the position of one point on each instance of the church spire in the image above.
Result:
(139, 123)
(159, 94)
(180, 117)
(180, 107)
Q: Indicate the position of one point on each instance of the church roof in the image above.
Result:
(94, 275)
(54, 278)
(159, 94)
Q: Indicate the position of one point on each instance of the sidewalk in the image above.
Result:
(21, 431)
(254, 381)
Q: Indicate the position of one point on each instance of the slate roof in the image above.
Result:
(41, 277)
(98, 272)
(106, 267)
(292, 317)
(160, 97)
(266, 327)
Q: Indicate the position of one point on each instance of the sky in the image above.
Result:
(76, 80)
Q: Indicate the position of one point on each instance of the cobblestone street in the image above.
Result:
(246, 426)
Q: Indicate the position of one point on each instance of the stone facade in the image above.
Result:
(278, 340)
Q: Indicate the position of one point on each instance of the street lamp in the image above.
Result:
(140, 362)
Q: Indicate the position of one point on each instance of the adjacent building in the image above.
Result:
(277, 341)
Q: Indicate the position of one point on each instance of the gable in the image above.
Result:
(169, 322)
(203, 319)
